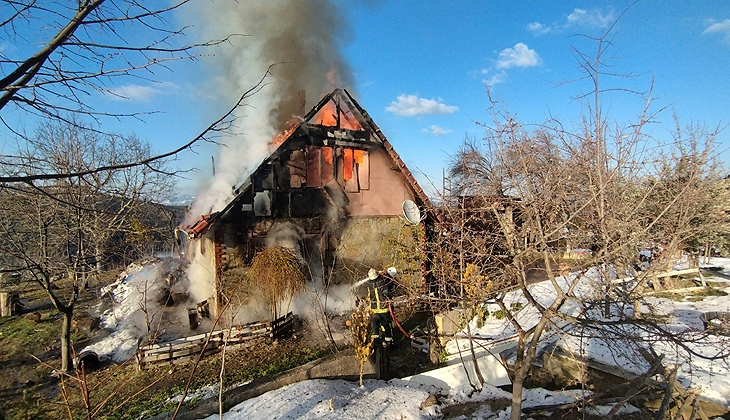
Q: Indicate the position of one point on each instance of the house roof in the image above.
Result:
(338, 109)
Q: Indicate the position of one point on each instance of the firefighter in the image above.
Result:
(380, 291)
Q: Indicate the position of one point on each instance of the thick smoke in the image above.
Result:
(138, 308)
(302, 40)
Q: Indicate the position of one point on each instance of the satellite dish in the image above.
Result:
(411, 212)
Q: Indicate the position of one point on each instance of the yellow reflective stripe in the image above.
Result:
(377, 298)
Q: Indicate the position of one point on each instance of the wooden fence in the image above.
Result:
(239, 336)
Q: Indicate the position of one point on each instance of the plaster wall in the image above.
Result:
(388, 189)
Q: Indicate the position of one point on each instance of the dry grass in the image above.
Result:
(359, 324)
(279, 274)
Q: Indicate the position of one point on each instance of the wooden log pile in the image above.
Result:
(239, 336)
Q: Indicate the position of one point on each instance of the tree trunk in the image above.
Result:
(99, 256)
(480, 378)
(516, 396)
(66, 353)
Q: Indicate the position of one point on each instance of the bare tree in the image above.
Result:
(89, 47)
(603, 186)
(85, 46)
(57, 231)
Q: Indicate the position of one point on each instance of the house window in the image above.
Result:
(262, 204)
(362, 166)
(353, 170)
(319, 166)
(348, 160)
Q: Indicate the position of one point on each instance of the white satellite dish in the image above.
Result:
(411, 212)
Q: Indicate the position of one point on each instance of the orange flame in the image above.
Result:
(328, 116)
(347, 164)
(282, 136)
(359, 156)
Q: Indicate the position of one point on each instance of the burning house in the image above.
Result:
(333, 189)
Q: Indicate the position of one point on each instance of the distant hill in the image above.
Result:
(179, 201)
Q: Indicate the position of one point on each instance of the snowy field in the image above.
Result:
(681, 316)
(399, 399)
(394, 399)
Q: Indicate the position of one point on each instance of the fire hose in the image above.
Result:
(396, 321)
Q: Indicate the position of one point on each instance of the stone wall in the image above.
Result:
(377, 242)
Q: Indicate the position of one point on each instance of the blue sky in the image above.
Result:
(421, 67)
(446, 51)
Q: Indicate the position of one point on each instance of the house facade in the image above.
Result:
(333, 189)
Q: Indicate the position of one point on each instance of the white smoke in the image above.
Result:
(137, 309)
(200, 281)
(302, 40)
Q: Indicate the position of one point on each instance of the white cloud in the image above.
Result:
(722, 28)
(412, 105)
(518, 56)
(139, 93)
(591, 18)
(436, 130)
(497, 78)
(538, 28)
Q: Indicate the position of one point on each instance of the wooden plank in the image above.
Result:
(215, 336)
(677, 273)
(236, 337)
(662, 275)
(177, 355)
(212, 344)
(173, 352)
(683, 290)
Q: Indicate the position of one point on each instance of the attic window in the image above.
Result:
(353, 168)
(336, 113)
(362, 166)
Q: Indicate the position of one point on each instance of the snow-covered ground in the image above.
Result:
(394, 399)
(338, 399)
(125, 319)
(397, 399)
(712, 377)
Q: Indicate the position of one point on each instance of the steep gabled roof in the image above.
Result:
(336, 115)
(418, 191)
